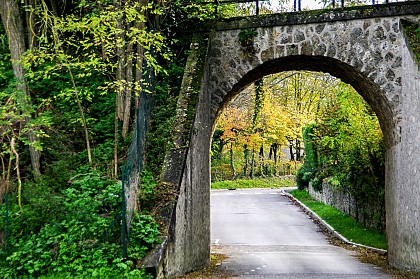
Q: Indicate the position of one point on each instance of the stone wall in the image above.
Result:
(370, 213)
(187, 169)
(403, 172)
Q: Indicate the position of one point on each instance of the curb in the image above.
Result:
(325, 225)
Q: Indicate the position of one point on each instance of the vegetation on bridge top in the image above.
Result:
(304, 17)
(413, 34)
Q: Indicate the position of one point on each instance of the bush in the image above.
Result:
(300, 181)
(74, 232)
(144, 234)
(308, 170)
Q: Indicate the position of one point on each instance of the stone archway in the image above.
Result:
(364, 53)
(371, 54)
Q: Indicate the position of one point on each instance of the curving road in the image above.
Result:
(264, 235)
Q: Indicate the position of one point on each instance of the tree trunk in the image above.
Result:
(139, 59)
(275, 147)
(292, 157)
(232, 161)
(298, 150)
(12, 147)
(261, 159)
(13, 25)
(252, 163)
(139, 75)
(246, 157)
(82, 115)
(116, 134)
(30, 23)
(128, 90)
(275, 157)
(119, 37)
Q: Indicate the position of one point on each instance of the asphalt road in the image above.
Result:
(264, 235)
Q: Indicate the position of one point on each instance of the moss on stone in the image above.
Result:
(191, 88)
(303, 17)
(413, 35)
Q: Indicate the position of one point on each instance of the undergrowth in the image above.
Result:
(73, 233)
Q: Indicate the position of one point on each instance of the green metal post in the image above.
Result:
(7, 225)
(123, 218)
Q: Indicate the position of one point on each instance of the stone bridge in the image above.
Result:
(365, 47)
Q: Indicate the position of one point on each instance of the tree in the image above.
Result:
(232, 123)
(275, 110)
(106, 38)
(13, 24)
(303, 95)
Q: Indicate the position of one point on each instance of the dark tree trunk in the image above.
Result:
(261, 159)
(13, 24)
(298, 150)
(252, 163)
(275, 147)
(232, 161)
(292, 156)
(246, 157)
(126, 106)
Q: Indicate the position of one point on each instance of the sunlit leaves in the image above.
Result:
(350, 142)
(233, 123)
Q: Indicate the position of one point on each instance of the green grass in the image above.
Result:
(272, 182)
(343, 223)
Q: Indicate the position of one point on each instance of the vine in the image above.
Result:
(246, 38)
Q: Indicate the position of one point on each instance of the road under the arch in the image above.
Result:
(264, 235)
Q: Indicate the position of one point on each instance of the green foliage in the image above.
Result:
(300, 181)
(217, 144)
(351, 143)
(104, 273)
(73, 232)
(144, 234)
(346, 145)
(307, 172)
(413, 34)
(246, 38)
(344, 224)
(189, 13)
(259, 101)
(147, 190)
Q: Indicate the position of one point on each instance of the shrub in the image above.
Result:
(77, 236)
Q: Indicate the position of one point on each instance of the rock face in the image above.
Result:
(365, 48)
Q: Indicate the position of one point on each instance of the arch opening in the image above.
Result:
(267, 149)
(370, 91)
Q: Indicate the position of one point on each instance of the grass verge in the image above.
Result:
(271, 182)
(343, 223)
